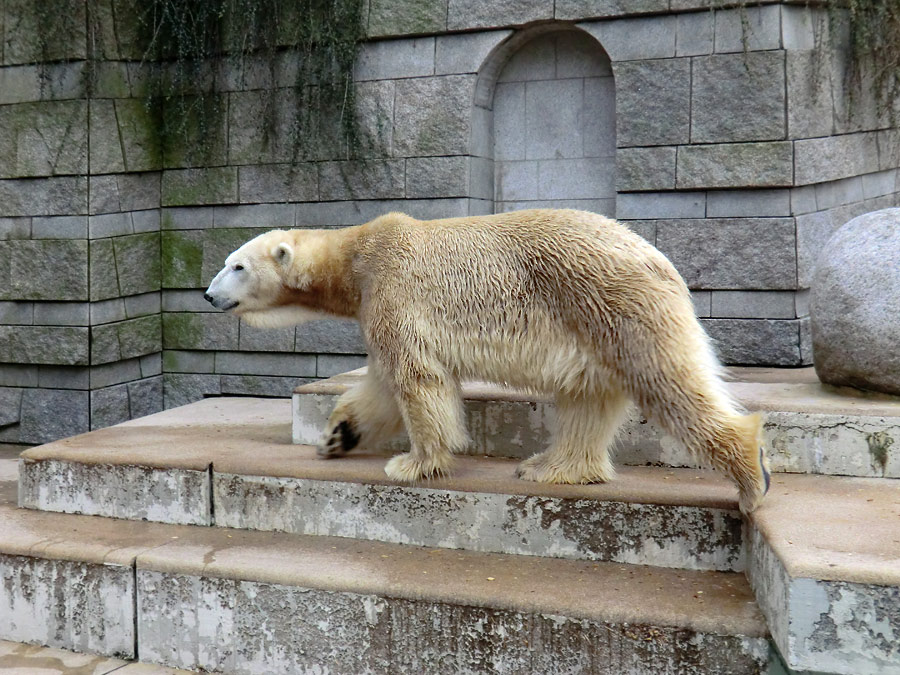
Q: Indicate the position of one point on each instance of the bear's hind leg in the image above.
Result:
(365, 415)
(586, 426)
(432, 411)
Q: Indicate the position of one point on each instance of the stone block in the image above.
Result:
(105, 344)
(58, 195)
(879, 184)
(185, 301)
(179, 361)
(552, 111)
(151, 364)
(64, 377)
(888, 142)
(507, 124)
(361, 179)
(12, 375)
(181, 258)
(516, 181)
(105, 148)
(839, 192)
(109, 406)
(51, 414)
(10, 406)
(394, 59)
(107, 311)
(465, 53)
(183, 389)
(468, 14)
(139, 136)
(278, 183)
(653, 104)
(437, 177)
(104, 282)
(43, 139)
(266, 339)
(110, 225)
(15, 228)
(329, 365)
(142, 305)
(46, 269)
(803, 199)
(406, 17)
(702, 301)
(138, 191)
(813, 232)
(199, 186)
(145, 221)
(753, 304)
(735, 165)
(251, 141)
(822, 159)
(635, 39)
(695, 34)
(375, 119)
(31, 38)
(17, 312)
(104, 197)
(62, 314)
(661, 205)
(809, 103)
(431, 116)
(599, 117)
(589, 178)
(138, 263)
(738, 97)
(645, 169)
(799, 27)
(20, 84)
(59, 227)
(138, 337)
(261, 385)
(110, 80)
(481, 181)
(242, 363)
(583, 9)
(200, 331)
(330, 336)
(748, 203)
(748, 29)
(145, 397)
(714, 253)
(756, 342)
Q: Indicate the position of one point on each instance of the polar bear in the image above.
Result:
(560, 302)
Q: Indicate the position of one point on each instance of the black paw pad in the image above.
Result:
(349, 437)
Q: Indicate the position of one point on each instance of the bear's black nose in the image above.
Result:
(207, 297)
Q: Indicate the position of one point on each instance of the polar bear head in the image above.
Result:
(262, 280)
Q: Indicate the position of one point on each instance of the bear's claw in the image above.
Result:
(341, 440)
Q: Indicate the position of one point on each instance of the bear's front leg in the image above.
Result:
(365, 415)
(432, 410)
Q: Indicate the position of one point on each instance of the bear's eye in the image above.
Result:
(238, 268)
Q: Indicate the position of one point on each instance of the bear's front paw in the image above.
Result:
(542, 469)
(339, 441)
(409, 469)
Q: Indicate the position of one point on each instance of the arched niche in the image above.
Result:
(544, 128)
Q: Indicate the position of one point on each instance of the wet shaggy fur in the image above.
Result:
(561, 302)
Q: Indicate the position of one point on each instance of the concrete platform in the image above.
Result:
(810, 428)
(250, 602)
(17, 658)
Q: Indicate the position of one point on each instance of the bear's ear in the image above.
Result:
(283, 253)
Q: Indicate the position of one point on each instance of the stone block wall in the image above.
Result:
(720, 135)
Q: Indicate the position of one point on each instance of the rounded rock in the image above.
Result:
(855, 304)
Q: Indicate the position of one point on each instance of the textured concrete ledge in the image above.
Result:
(810, 428)
(17, 657)
(825, 567)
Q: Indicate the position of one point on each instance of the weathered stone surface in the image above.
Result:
(661, 205)
(297, 365)
(179, 389)
(104, 279)
(109, 406)
(855, 305)
(108, 374)
(407, 17)
(653, 102)
(266, 339)
(431, 116)
(748, 29)
(437, 177)
(30, 37)
(371, 633)
(200, 331)
(809, 100)
(465, 53)
(182, 258)
(330, 336)
(713, 253)
(754, 342)
(142, 305)
(823, 159)
(695, 34)
(199, 186)
(253, 142)
(261, 385)
(138, 263)
(61, 314)
(61, 345)
(665, 536)
(736, 165)
(50, 414)
(138, 337)
(361, 179)
(73, 605)
(635, 39)
(145, 397)
(645, 169)
(59, 195)
(394, 59)
(43, 270)
(753, 304)
(748, 203)
(738, 97)
(117, 491)
(329, 365)
(105, 344)
(266, 216)
(464, 14)
(583, 9)
(278, 183)
(10, 405)
(43, 139)
(138, 137)
(375, 117)
(59, 227)
(181, 361)
(105, 148)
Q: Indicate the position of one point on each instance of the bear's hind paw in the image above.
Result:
(409, 469)
(338, 442)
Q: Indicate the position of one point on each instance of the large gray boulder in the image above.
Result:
(855, 306)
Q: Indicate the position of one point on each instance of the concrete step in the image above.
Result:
(810, 428)
(17, 658)
(229, 462)
(235, 601)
